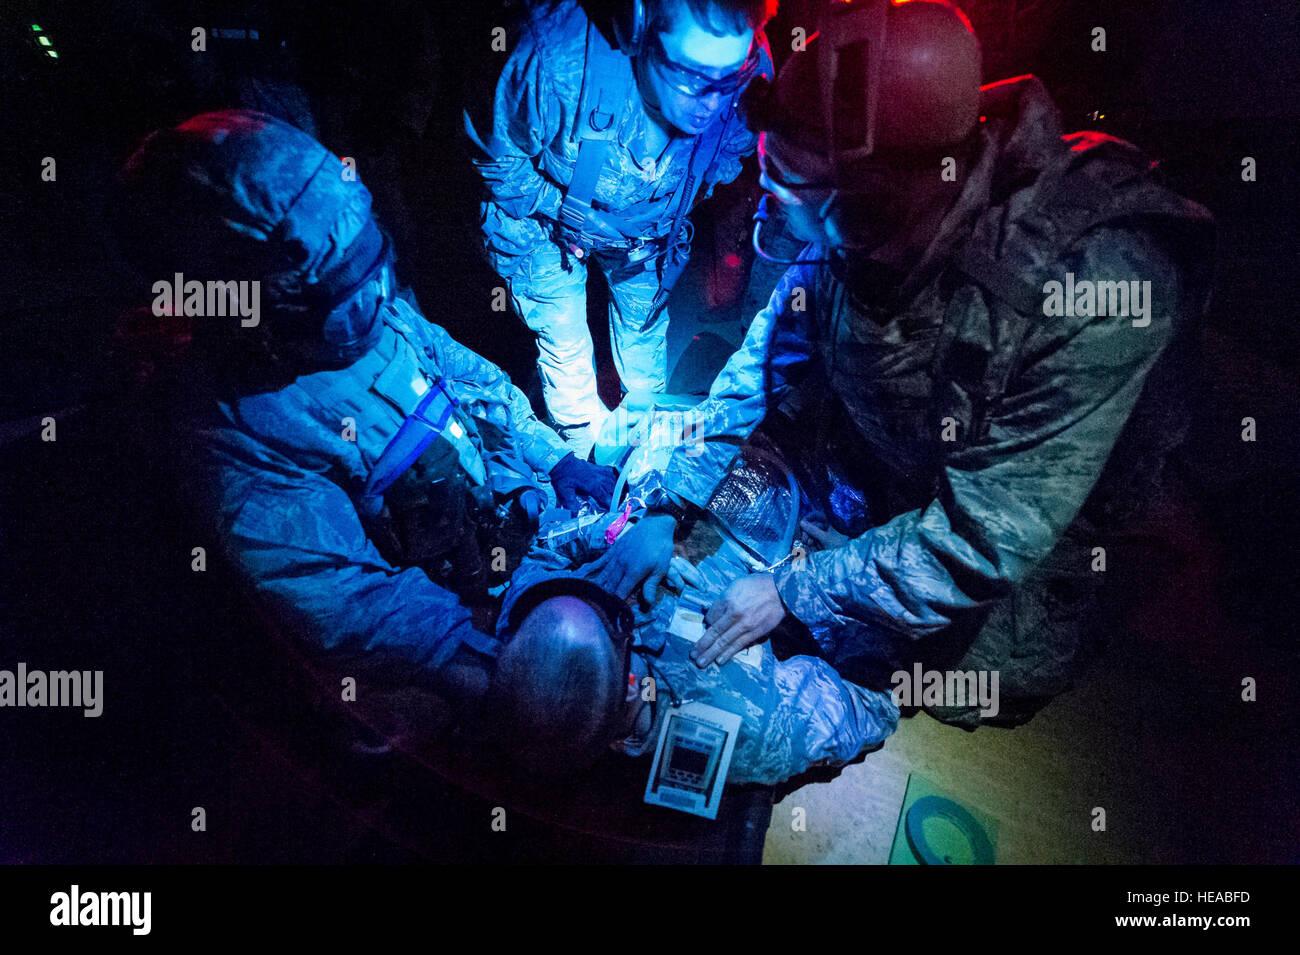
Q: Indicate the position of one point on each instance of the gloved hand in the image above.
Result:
(641, 555)
(575, 480)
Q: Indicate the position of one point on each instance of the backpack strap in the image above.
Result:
(1074, 198)
(595, 127)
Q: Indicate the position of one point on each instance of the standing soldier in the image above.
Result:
(600, 139)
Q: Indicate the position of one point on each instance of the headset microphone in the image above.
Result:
(760, 216)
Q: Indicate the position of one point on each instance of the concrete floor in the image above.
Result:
(1185, 770)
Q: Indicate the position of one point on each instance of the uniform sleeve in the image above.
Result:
(1003, 502)
(539, 445)
(820, 719)
(525, 117)
(773, 357)
(295, 539)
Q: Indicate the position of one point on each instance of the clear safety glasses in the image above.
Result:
(692, 82)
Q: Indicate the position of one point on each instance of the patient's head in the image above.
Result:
(560, 688)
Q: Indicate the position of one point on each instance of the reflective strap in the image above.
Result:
(586, 173)
(412, 439)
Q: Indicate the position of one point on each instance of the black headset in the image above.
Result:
(630, 28)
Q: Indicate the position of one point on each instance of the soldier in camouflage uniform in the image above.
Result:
(974, 412)
(561, 692)
(367, 477)
(599, 137)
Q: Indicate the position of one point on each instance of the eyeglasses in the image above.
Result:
(691, 82)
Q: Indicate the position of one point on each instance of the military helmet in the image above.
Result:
(887, 78)
(240, 195)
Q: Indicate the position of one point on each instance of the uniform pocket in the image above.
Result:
(509, 240)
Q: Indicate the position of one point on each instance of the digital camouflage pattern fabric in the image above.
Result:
(980, 554)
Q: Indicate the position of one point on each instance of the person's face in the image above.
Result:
(799, 181)
(691, 74)
(876, 210)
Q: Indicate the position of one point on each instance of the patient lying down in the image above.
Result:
(577, 678)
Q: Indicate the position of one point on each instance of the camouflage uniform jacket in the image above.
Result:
(278, 480)
(987, 522)
(526, 150)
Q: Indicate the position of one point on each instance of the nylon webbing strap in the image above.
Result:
(411, 440)
(591, 157)
(594, 125)
(604, 89)
(999, 281)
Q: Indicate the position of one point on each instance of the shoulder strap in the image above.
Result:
(1007, 286)
(1010, 328)
(592, 154)
(604, 89)
(1089, 188)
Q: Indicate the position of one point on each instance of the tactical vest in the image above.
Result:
(446, 511)
(1043, 635)
(1101, 181)
(961, 368)
(607, 86)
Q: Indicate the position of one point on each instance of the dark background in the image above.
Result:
(94, 565)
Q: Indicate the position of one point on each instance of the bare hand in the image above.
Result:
(683, 574)
(743, 616)
(828, 537)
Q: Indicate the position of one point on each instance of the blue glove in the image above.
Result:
(575, 481)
